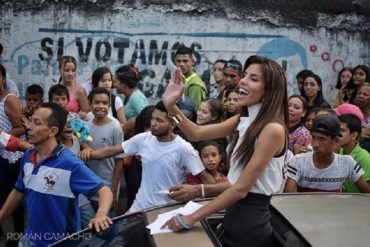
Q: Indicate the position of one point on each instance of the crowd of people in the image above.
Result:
(190, 144)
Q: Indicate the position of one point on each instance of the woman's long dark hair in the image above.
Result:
(129, 75)
(98, 74)
(274, 107)
(339, 84)
(319, 97)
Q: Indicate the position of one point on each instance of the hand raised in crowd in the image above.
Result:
(175, 88)
(100, 222)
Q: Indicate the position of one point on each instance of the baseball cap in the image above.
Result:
(326, 124)
(347, 108)
(186, 105)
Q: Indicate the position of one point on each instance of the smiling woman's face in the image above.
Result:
(251, 86)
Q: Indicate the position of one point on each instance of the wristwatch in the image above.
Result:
(177, 118)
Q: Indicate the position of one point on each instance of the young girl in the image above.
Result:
(256, 162)
(232, 104)
(78, 99)
(299, 136)
(312, 92)
(210, 153)
(344, 76)
(102, 77)
(210, 111)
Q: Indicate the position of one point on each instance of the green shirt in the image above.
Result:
(362, 157)
(195, 89)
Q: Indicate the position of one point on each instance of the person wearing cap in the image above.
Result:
(323, 170)
(347, 108)
(350, 126)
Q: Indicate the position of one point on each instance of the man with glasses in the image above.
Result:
(232, 75)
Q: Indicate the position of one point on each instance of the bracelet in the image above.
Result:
(177, 118)
(182, 223)
(202, 190)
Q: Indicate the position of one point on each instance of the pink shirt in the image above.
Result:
(73, 105)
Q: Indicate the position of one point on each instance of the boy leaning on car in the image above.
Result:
(323, 170)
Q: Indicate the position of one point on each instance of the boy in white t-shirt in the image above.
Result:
(166, 159)
(323, 170)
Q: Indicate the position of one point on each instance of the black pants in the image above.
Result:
(8, 176)
(247, 223)
(133, 179)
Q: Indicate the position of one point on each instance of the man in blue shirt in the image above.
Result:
(50, 180)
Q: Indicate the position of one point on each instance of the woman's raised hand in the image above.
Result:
(175, 88)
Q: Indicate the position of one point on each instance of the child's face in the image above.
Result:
(309, 120)
(323, 145)
(211, 157)
(33, 100)
(232, 102)
(106, 81)
(100, 105)
(359, 76)
(68, 72)
(204, 114)
(61, 100)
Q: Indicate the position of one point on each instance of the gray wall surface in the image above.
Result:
(322, 36)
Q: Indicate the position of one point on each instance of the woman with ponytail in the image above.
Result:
(126, 82)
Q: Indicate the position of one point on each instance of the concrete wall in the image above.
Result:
(320, 36)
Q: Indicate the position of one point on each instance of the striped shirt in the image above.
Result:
(309, 178)
(6, 126)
